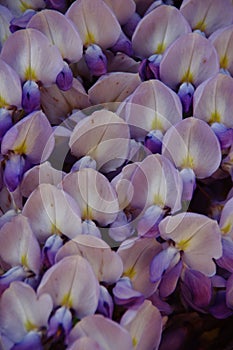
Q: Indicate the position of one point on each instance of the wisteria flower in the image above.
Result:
(24, 313)
(72, 283)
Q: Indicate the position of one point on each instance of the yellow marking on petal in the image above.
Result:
(226, 229)
(29, 326)
(24, 260)
(187, 77)
(188, 162)
(21, 149)
(201, 25)
(55, 230)
(67, 301)
(158, 200)
(3, 102)
(215, 117)
(134, 341)
(224, 62)
(131, 272)
(183, 244)
(30, 74)
(87, 213)
(156, 124)
(23, 6)
(160, 48)
(89, 39)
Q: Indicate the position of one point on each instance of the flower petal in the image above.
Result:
(157, 30)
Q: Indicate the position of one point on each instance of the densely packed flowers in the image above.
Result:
(116, 170)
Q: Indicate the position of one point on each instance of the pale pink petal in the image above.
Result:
(5, 18)
(18, 6)
(137, 255)
(191, 58)
(226, 219)
(10, 86)
(60, 31)
(42, 173)
(107, 333)
(113, 87)
(57, 104)
(197, 236)
(212, 100)
(72, 283)
(106, 264)
(120, 62)
(157, 30)
(31, 136)
(22, 311)
(94, 194)
(191, 143)
(85, 343)
(52, 211)
(123, 9)
(104, 137)
(33, 57)
(156, 182)
(222, 40)
(145, 326)
(19, 246)
(208, 15)
(95, 22)
(152, 106)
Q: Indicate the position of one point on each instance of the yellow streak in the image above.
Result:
(30, 74)
(131, 272)
(215, 117)
(67, 301)
(89, 39)
(224, 62)
(188, 162)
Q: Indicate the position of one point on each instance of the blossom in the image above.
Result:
(72, 283)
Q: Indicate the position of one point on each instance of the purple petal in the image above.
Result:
(16, 273)
(14, 170)
(59, 5)
(64, 79)
(153, 141)
(5, 121)
(219, 308)
(50, 249)
(196, 289)
(61, 320)
(148, 223)
(185, 93)
(21, 22)
(31, 341)
(124, 294)
(123, 9)
(30, 96)
(149, 68)
(161, 262)
(224, 134)
(121, 229)
(105, 305)
(131, 24)
(95, 60)
(169, 280)
(229, 292)
(10, 86)
(189, 183)
(123, 44)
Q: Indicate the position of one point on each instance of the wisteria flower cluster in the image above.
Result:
(116, 170)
